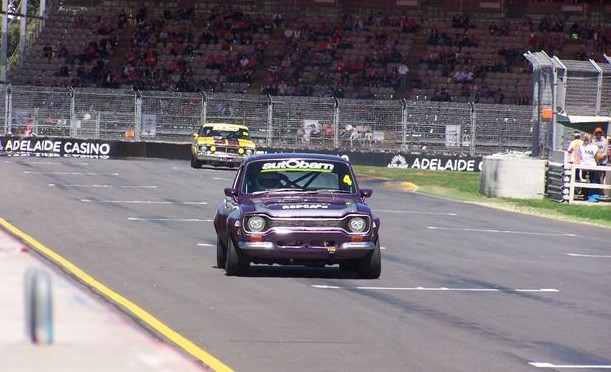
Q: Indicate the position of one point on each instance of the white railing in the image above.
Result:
(572, 183)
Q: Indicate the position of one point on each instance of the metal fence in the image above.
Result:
(288, 122)
(574, 93)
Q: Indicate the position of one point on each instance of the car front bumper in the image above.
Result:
(341, 249)
(220, 158)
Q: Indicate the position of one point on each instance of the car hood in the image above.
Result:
(307, 206)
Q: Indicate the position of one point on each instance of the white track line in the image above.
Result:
(575, 366)
(588, 255)
(105, 186)
(205, 245)
(72, 173)
(139, 186)
(69, 185)
(499, 231)
(416, 212)
(168, 219)
(439, 289)
(142, 202)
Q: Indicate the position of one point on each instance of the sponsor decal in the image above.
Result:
(306, 206)
(432, 163)
(297, 165)
(226, 127)
(449, 164)
(55, 148)
(398, 161)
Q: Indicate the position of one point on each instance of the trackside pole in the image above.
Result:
(38, 306)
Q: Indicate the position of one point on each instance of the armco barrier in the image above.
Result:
(70, 147)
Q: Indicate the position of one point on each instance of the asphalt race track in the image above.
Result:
(463, 287)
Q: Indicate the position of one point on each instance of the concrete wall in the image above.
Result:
(513, 176)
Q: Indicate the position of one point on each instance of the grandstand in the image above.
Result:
(464, 51)
(100, 69)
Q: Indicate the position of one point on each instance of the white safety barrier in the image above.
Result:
(570, 181)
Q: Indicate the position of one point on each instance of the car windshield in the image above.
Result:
(231, 134)
(296, 175)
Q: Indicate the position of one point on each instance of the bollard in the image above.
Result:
(38, 306)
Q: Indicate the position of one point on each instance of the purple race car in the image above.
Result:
(297, 209)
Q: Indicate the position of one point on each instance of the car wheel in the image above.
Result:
(370, 266)
(236, 263)
(221, 253)
(195, 163)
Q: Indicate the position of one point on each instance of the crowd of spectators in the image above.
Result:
(316, 57)
(349, 55)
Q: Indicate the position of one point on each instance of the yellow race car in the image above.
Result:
(221, 144)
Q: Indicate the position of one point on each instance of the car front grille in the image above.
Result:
(226, 149)
(305, 223)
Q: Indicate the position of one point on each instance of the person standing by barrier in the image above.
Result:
(574, 155)
(608, 173)
(603, 148)
(588, 151)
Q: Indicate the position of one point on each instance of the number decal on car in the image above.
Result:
(347, 180)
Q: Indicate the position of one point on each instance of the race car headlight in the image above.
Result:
(357, 224)
(213, 148)
(249, 152)
(255, 224)
(240, 151)
(203, 148)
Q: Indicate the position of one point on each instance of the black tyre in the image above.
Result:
(221, 253)
(195, 163)
(236, 263)
(370, 266)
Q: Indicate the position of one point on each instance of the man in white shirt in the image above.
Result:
(403, 70)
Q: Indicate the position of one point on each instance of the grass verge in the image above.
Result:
(464, 186)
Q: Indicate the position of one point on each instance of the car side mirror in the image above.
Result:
(231, 192)
(366, 193)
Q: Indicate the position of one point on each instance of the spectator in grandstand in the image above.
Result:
(499, 96)
(47, 52)
(442, 95)
(403, 70)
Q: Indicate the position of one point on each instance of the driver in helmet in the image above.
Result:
(269, 181)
